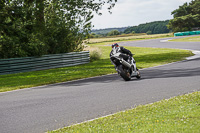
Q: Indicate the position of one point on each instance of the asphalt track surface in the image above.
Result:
(38, 109)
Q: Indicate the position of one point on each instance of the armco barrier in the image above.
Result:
(25, 64)
(187, 33)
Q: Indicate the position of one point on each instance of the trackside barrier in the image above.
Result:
(187, 33)
(26, 64)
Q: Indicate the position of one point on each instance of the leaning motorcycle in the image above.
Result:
(126, 69)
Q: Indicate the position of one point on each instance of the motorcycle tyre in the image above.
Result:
(138, 75)
(126, 76)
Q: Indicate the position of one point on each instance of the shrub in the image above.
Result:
(95, 54)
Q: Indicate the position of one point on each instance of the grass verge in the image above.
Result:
(145, 57)
(178, 115)
(187, 39)
(128, 38)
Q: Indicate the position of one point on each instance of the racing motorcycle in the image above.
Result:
(126, 69)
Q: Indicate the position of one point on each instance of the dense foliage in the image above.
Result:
(156, 27)
(186, 17)
(113, 33)
(38, 27)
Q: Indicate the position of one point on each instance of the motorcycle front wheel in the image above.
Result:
(124, 73)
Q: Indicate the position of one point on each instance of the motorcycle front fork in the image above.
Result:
(134, 69)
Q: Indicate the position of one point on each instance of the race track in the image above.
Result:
(38, 109)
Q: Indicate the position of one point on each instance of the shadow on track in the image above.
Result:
(152, 73)
(169, 71)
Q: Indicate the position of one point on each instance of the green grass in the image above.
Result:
(176, 115)
(149, 57)
(187, 39)
(145, 57)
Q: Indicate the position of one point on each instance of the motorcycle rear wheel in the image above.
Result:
(124, 74)
(138, 75)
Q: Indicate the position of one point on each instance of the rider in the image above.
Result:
(124, 53)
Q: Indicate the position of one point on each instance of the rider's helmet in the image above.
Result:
(115, 45)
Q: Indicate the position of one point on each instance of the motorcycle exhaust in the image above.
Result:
(125, 63)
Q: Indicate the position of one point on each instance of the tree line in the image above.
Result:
(156, 27)
(38, 27)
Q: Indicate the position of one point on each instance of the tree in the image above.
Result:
(113, 33)
(37, 27)
(155, 27)
(186, 17)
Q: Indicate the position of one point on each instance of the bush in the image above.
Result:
(95, 54)
(113, 33)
